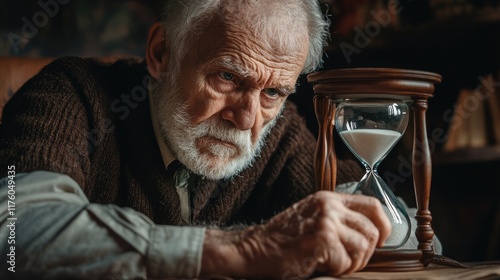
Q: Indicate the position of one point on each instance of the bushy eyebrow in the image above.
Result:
(239, 69)
(235, 67)
(288, 90)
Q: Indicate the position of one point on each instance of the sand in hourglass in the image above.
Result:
(371, 145)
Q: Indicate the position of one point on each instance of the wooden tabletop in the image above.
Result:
(483, 271)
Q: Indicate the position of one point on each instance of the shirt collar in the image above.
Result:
(166, 153)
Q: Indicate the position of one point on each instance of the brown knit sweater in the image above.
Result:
(91, 120)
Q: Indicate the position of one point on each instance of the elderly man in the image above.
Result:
(190, 164)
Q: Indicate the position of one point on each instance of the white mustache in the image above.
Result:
(223, 132)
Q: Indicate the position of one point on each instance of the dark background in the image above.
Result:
(457, 39)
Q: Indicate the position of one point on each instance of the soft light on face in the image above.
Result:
(230, 88)
(213, 148)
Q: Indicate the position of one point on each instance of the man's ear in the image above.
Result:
(157, 51)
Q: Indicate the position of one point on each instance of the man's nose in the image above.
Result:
(243, 110)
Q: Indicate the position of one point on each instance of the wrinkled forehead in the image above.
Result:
(279, 25)
(247, 27)
(239, 44)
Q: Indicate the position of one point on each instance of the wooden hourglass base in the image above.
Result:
(395, 261)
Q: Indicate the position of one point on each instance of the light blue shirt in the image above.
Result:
(58, 232)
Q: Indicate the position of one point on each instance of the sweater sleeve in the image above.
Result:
(57, 234)
(49, 111)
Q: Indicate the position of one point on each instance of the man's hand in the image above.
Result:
(328, 232)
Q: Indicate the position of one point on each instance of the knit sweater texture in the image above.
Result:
(90, 119)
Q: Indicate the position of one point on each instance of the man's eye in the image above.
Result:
(226, 76)
(272, 92)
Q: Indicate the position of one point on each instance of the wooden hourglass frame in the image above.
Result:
(330, 87)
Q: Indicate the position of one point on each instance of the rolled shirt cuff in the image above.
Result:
(175, 251)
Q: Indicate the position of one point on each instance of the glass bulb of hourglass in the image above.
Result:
(370, 128)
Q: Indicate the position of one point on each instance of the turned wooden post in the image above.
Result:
(422, 169)
(325, 163)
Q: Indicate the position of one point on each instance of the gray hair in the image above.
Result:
(183, 18)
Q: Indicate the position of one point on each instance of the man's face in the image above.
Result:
(230, 89)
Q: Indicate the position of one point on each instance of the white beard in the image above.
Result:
(217, 161)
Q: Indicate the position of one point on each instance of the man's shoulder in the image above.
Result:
(290, 132)
(91, 75)
(292, 121)
(89, 83)
(290, 109)
(92, 64)
(98, 60)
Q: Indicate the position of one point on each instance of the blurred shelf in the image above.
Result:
(467, 156)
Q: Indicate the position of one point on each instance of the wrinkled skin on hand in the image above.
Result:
(325, 232)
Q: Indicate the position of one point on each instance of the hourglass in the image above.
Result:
(370, 128)
(372, 115)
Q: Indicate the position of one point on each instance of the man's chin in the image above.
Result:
(216, 168)
(217, 150)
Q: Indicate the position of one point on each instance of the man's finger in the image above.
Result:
(362, 227)
(372, 209)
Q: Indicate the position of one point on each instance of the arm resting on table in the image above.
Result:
(59, 233)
